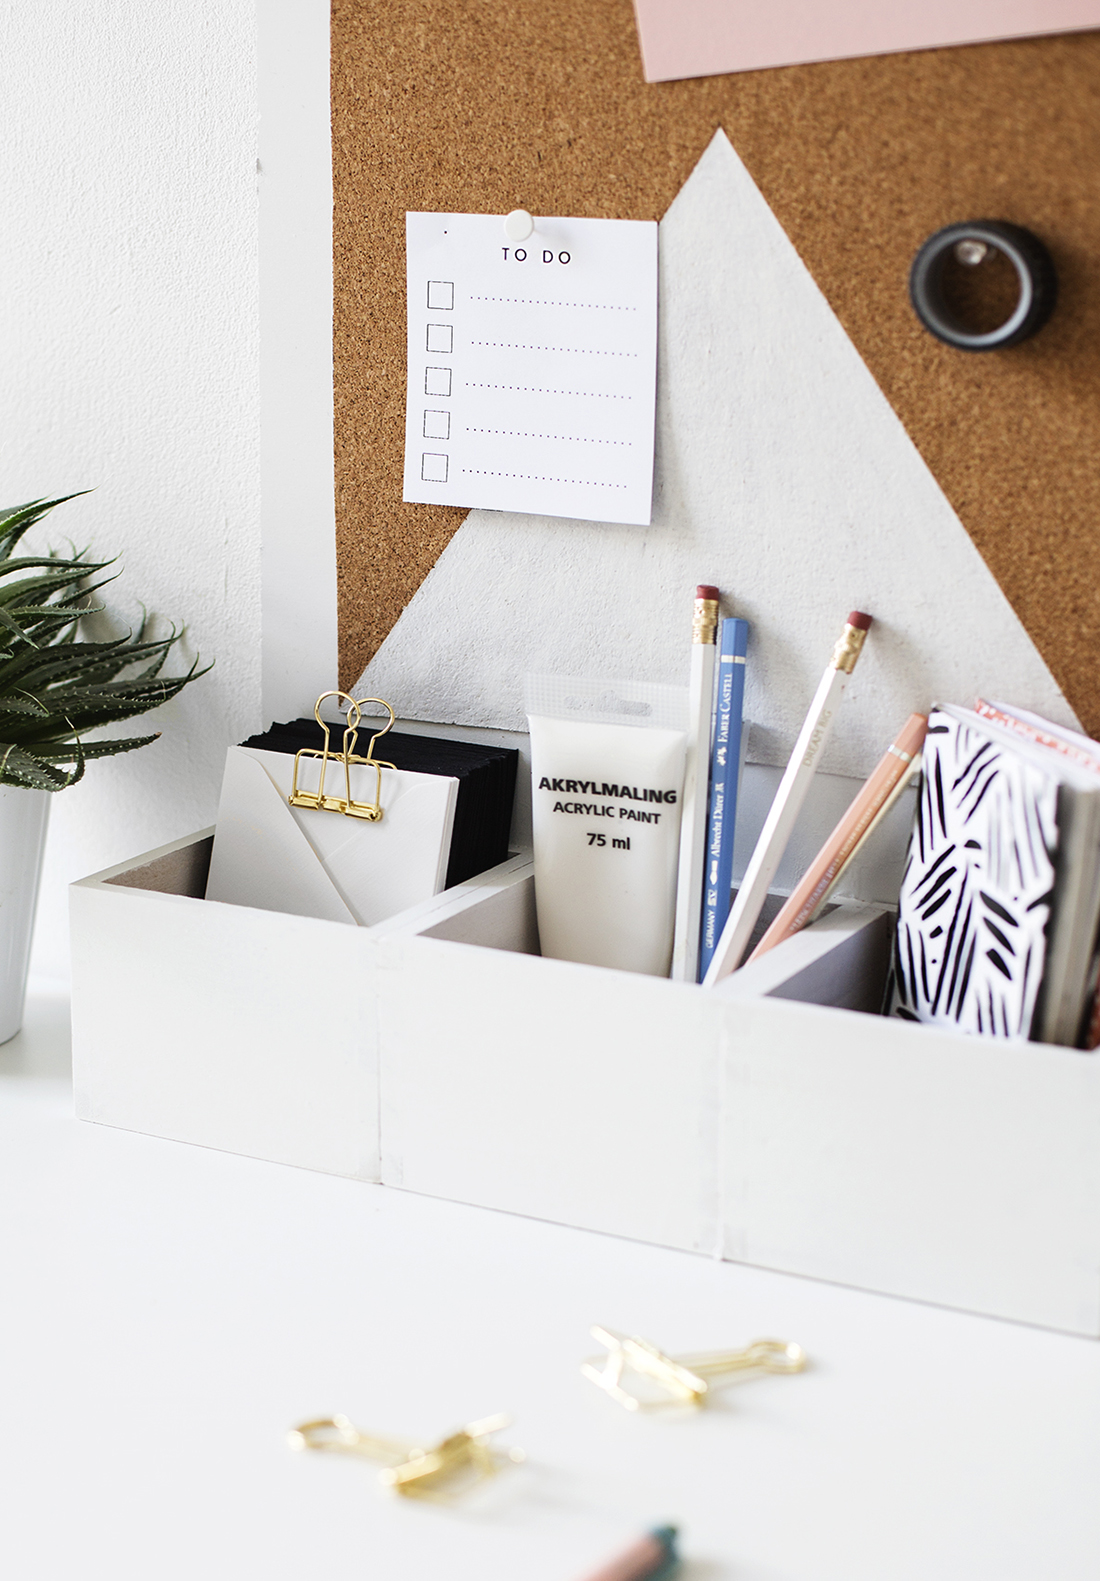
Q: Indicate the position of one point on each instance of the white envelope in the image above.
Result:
(276, 857)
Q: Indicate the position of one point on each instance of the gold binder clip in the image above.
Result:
(455, 1465)
(317, 800)
(682, 1380)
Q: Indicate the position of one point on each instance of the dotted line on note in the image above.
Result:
(532, 389)
(575, 439)
(530, 477)
(534, 301)
(574, 351)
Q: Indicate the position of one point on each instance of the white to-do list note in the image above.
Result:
(532, 367)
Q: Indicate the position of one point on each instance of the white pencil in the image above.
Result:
(693, 813)
(793, 787)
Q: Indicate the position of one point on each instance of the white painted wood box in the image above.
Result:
(439, 1052)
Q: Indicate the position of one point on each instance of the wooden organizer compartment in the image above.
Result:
(758, 1122)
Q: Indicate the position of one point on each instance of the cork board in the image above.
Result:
(485, 105)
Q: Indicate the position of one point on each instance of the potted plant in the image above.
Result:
(56, 687)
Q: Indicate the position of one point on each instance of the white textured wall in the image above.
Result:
(128, 362)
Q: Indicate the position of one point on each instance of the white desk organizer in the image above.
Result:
(439, 1052)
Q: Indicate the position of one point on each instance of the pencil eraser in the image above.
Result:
(707, 592)
(859, 620)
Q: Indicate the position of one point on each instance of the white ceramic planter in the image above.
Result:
(23, 818)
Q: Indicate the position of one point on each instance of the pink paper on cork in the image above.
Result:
(704, 38)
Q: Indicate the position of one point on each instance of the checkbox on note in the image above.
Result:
(437, 381)
(441, 296)
(433, 468)
(441, 337)
(437, 425)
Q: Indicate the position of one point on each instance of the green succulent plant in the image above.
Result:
(56, 686)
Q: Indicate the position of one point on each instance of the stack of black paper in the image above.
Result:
(486, 782)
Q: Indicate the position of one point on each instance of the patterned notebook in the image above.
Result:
(976, 896)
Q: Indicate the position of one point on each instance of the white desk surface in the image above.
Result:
(166, 1313)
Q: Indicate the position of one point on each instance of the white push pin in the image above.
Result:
(518, 225)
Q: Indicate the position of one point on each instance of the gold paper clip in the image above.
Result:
(317, 800)
(679, 1380)
(456, 1464)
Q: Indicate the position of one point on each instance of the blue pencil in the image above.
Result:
(733, 639)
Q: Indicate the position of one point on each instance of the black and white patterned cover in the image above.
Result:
(975, 899)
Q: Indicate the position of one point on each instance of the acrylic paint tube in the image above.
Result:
(607, 773)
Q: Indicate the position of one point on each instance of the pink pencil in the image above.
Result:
(652, 1558)
(869, 808)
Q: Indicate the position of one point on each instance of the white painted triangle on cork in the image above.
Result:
(783, 476)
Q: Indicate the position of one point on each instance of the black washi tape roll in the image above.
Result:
(950, 253)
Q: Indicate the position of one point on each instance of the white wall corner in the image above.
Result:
(130, 328)
(295, 181)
